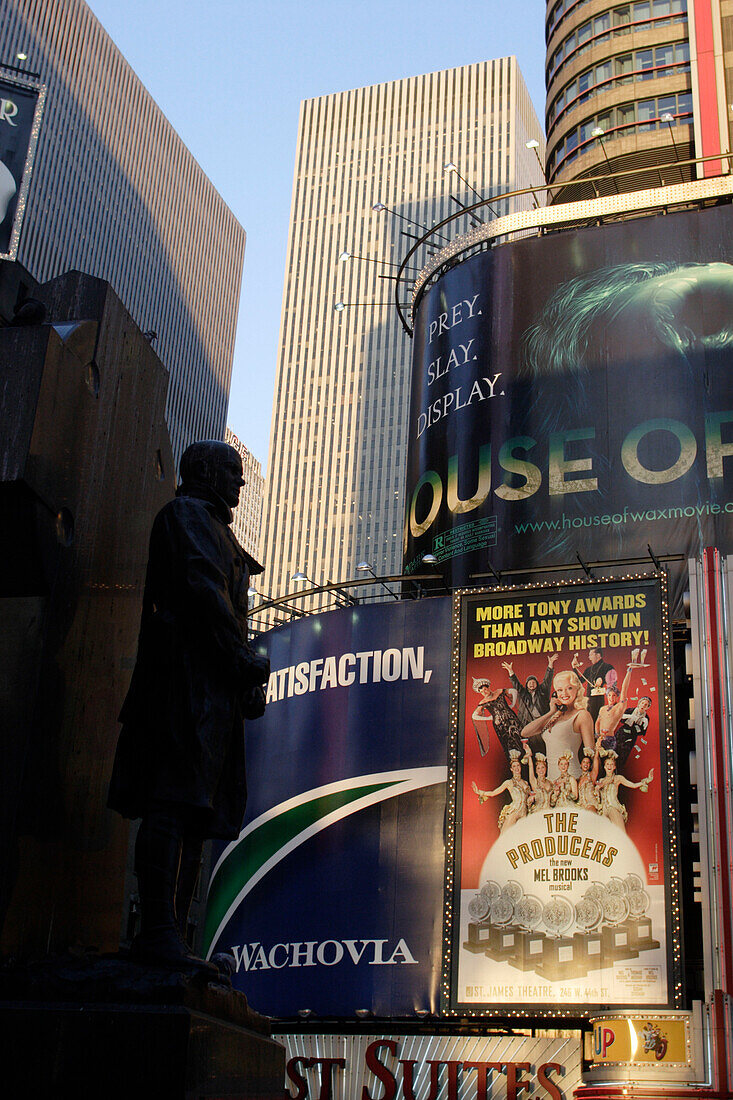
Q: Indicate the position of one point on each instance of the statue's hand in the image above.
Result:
(255, 668)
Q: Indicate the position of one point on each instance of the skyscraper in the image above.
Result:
(247, 522)
(637, 87)
(115, 193)
(370, 167)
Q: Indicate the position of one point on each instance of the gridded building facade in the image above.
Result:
(115, 193)
(247, 523)
(636, 87)
(337, 447)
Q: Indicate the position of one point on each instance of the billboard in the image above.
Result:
(21, 105)
(562, 845)
(573, 393)
(331, 899)
(323, 1066)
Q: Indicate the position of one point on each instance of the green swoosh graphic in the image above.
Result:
(261, 844)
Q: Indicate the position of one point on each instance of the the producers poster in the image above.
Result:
(560, 841)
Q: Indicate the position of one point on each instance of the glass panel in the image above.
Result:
(646, 109)
(682, 51)
(624, 66)
(572, 140)
(667, 105)
(605, 121)
(585, 81)
(584, 33)
(663, 56)
(604, 72)
(662, 7)
(625, 115)
(602, 23)
(684, 103)
(621, 16)
(644, 61)
(586, 130)
(642, 11)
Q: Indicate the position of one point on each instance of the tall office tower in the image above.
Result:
(636, 87)
(247, 523)
(370, 164)
(115, 193)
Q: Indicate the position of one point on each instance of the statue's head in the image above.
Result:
(213, 464)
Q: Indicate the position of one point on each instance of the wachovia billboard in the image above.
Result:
(331, 899)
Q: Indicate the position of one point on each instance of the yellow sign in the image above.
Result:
(642, 1039)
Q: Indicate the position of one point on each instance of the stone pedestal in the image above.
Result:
(111, 1028)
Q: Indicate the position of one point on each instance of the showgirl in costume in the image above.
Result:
(540, 784)
(565, 789)
(611, 713)
(567, 726)
(634, 724)
(588, 797)
(608, 787)
(496, 706)
(518, 789)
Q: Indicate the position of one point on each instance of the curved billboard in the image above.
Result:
(573, 394)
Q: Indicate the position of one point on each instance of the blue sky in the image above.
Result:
(230, 77)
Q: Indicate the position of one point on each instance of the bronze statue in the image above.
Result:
(180, 757)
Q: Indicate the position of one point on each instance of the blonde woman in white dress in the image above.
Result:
(567, 726)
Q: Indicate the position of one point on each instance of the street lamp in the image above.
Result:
(348, 601)
(379, 206)
(452, 167)
(533, 143)
(599, 133)
(669, 119)
(365, 567)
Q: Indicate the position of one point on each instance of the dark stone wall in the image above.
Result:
(85, 463)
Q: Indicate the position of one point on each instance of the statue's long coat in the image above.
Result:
(182, 739)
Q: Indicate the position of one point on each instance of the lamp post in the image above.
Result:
(451, 167)
(534, 144)
(365, 567)
(599, 134)
(346, 256)
(346, 601)
(669, 119)
(378, 207)
(252, 592)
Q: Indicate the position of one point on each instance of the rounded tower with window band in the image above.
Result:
(619, 96)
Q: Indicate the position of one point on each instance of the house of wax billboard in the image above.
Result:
(332, 897)
(574, 393)
(562, 839)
